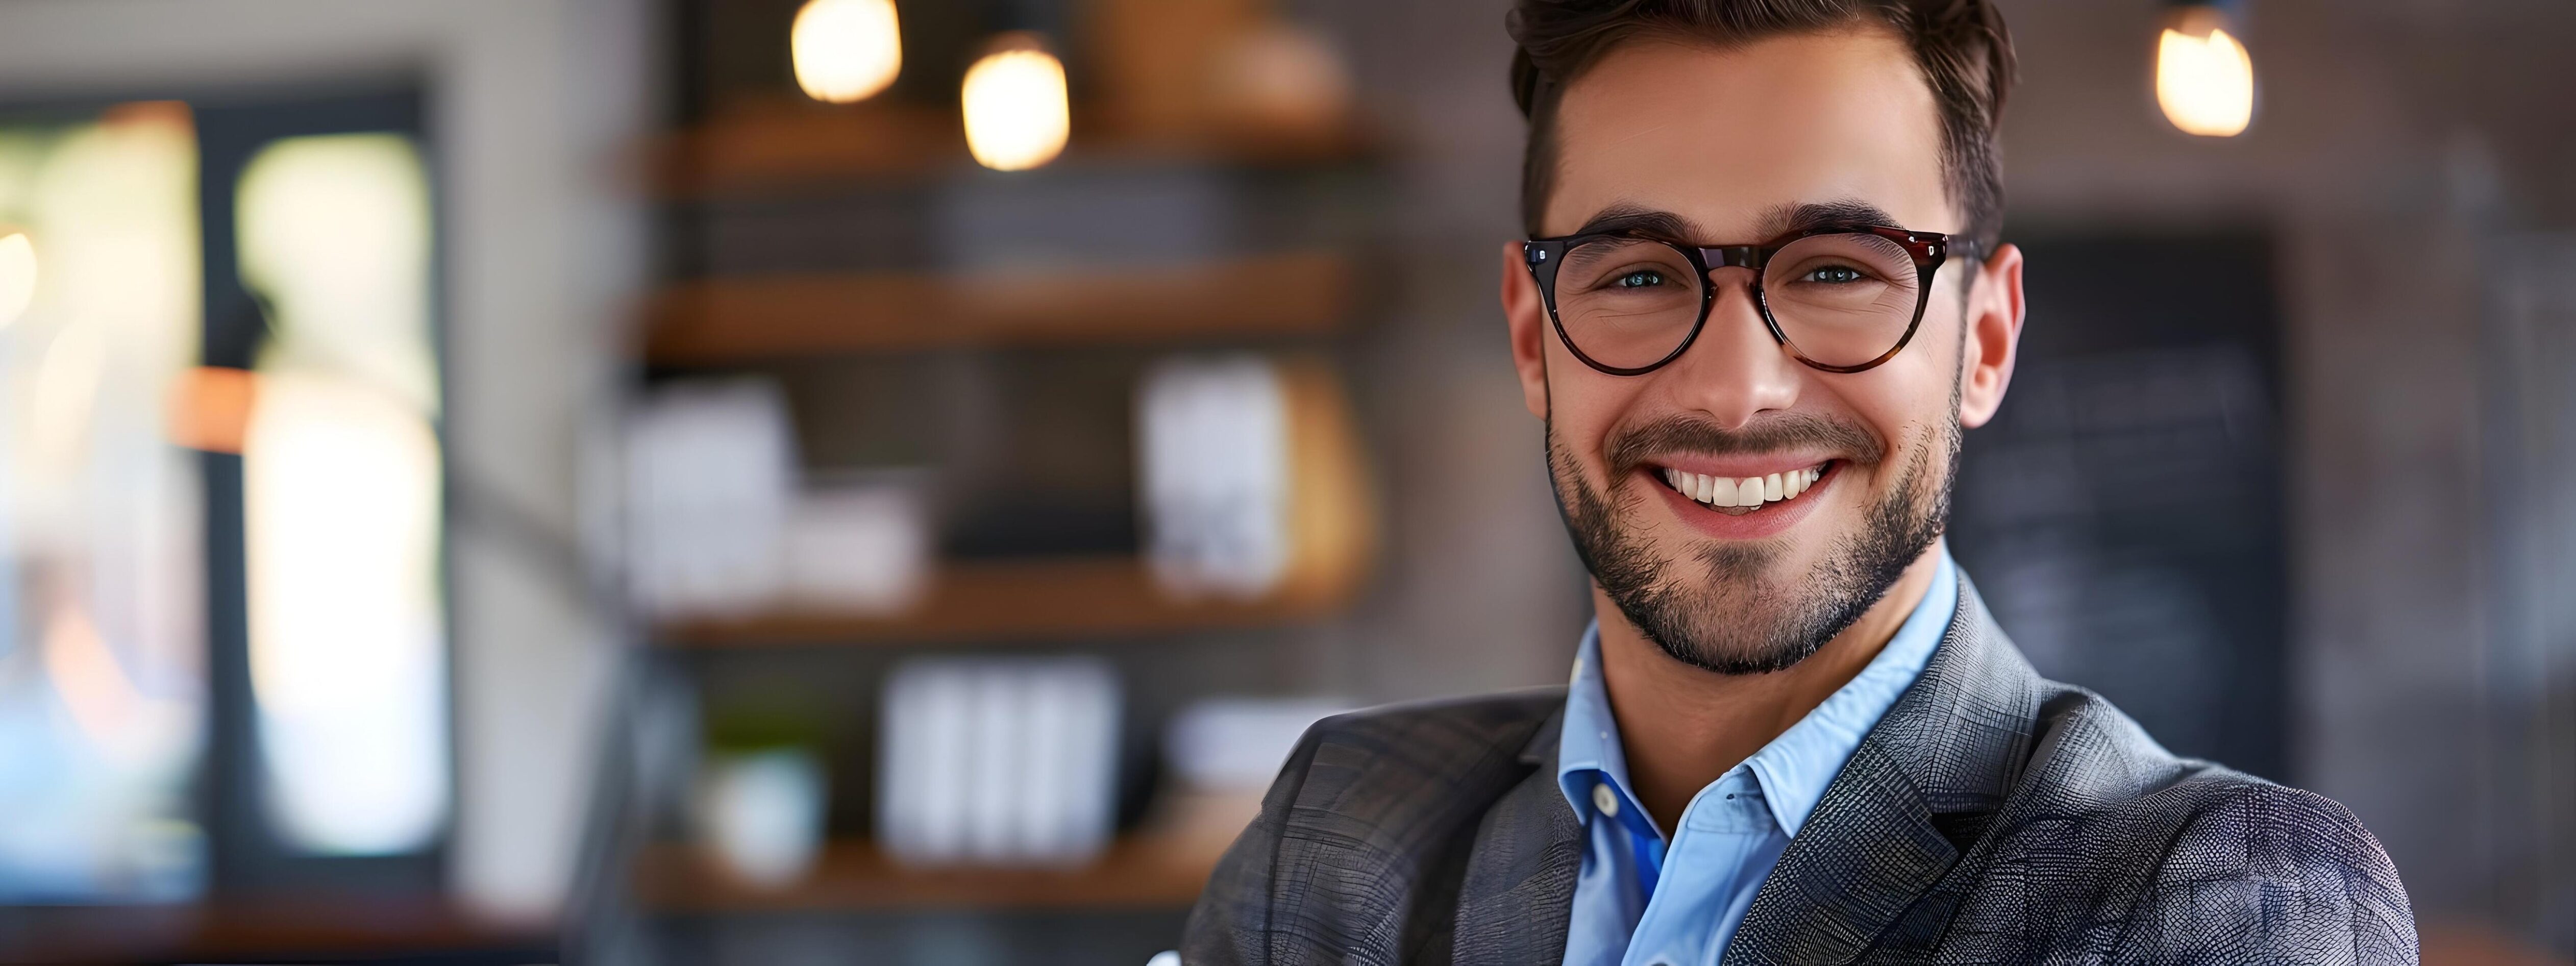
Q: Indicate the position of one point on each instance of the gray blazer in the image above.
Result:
(1991, 817)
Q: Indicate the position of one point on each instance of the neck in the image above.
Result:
(1681, 727)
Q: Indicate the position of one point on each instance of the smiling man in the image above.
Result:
(1762, 296)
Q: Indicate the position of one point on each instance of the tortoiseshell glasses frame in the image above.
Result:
(1926, 251)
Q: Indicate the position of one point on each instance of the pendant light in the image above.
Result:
(845, 50)
(1014, 104)
(2204, 75)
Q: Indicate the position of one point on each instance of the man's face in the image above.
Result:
(1731, 144)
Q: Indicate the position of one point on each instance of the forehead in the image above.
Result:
(1729, 137)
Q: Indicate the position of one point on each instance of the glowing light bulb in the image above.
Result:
(1014, 101)
(845, 50)
(17, 275)
(2204, 77)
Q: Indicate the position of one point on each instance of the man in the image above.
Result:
(1761, 299)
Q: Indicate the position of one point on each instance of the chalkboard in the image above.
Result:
(2122, 513)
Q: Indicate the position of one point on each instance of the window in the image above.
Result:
(340, 485)
(223, 604)
(102, 622)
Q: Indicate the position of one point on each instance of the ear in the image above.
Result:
(1526, 314)
(1994, 316)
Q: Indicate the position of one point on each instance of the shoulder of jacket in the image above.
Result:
(2097, 767)
(1378, 767)
(2242, 822)
(2265, 872)
(1507, 717)
(1369, 815)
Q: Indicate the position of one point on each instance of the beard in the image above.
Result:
(1727, 615)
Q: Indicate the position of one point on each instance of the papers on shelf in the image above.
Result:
(998, 760)
(710, 475)
(1214, 471)
(719, 524)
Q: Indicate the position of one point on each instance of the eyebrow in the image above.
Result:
(1639, 221)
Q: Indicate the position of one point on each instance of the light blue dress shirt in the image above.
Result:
(1644, 901)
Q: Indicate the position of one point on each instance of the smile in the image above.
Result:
(1744, 494)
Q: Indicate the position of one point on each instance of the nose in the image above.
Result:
(1734, 369)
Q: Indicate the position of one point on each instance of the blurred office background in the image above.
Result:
(679, 481)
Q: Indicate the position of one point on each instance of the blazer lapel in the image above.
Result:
(1518, 892)
(1894, 819)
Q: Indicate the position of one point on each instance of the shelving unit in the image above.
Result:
(1070, 599)
(787, 146)
(811, 243)
(852, 875)
(295, 927)
(733, 320)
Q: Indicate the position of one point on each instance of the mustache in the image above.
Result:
(1636, 446)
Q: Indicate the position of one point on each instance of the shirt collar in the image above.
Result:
(1588, 742)
(1795, 767)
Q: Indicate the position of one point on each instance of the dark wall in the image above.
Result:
(2121, 514)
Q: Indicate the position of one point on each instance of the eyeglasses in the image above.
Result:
(1841, 298)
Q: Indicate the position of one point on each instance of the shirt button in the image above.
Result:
(1605, 800)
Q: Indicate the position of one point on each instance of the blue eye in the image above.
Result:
(1834, 275)
(1640, 278)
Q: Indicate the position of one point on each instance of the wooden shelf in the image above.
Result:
(730, 320)
(1052, 598)
(854, 875)
(296, 927)
(798, 145)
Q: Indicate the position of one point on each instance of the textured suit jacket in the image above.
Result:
(1991, 817)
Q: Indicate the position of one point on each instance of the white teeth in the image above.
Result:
(1750, 491)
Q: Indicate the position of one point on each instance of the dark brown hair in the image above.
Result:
(1961, 45)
